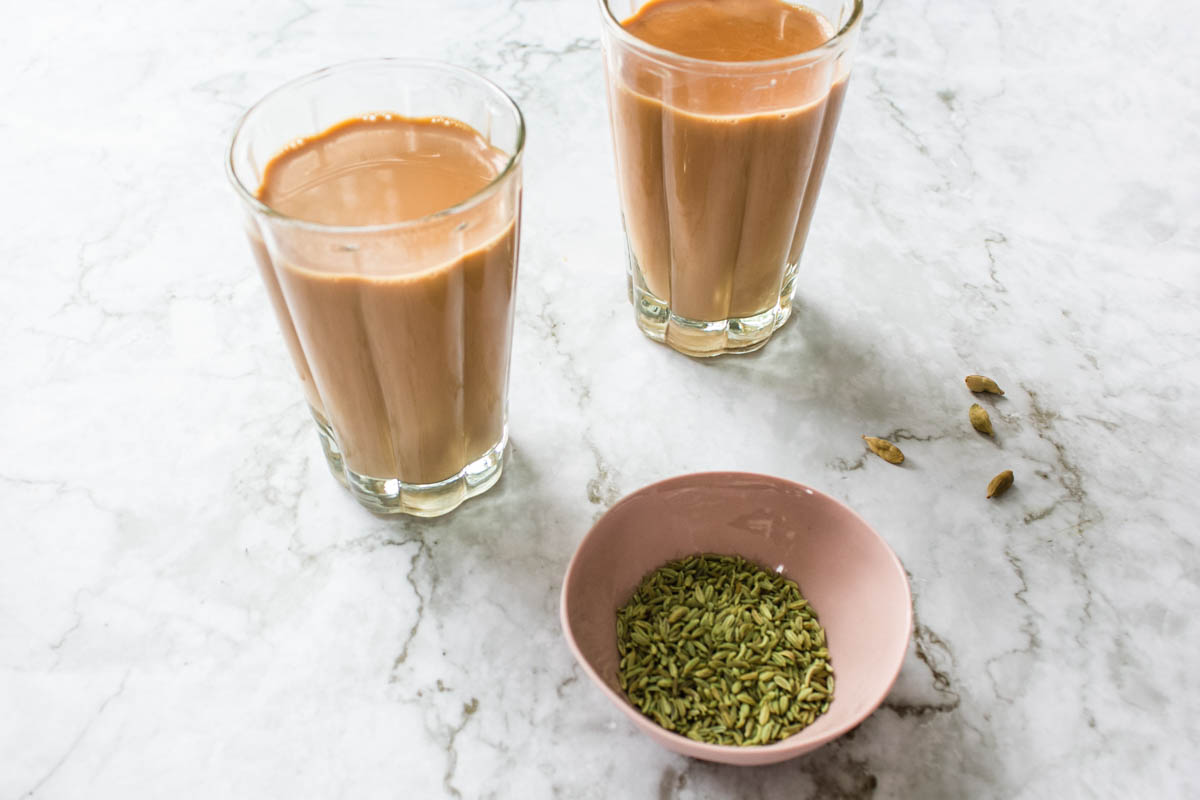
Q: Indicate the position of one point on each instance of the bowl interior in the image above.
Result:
(845, 570)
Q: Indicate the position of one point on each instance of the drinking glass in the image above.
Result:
(400, 333)
(718, 168)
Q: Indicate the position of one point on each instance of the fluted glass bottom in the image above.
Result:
(704, 339)
(394, 496)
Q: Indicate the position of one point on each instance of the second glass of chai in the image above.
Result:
(723, 114)
(383, 206)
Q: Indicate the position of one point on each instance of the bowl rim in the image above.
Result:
(723, 752)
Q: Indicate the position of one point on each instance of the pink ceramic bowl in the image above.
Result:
(846, 571)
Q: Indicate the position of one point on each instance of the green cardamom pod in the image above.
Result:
(980, 419)
(884, 449)
(999, 484)
(978, 383)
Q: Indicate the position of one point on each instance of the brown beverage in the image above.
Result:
(400, 336)
(719, 171)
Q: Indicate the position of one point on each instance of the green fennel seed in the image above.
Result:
(722, 651)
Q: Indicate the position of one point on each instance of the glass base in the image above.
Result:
(329, 446)
(702, 339)
(393, 496)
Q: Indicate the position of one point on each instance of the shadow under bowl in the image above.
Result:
(846, 571)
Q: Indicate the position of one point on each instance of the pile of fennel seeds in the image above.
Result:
(722, 651)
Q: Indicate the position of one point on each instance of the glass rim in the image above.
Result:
(250, 197)
(830, 45)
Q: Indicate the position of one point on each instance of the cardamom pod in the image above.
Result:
(980, 419)
(999, 484)
(978, 383)
(884, 449)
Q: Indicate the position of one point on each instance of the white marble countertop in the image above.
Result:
(191, 607)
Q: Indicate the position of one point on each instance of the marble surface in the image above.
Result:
(191, 607)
